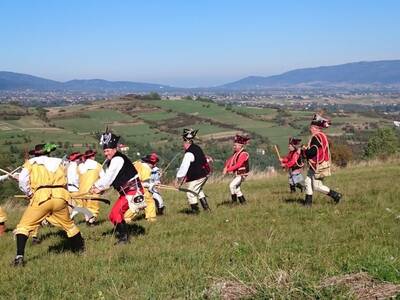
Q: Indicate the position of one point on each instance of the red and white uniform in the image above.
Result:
(237, 164)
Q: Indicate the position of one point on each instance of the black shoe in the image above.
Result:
(77, 243)
(234, 198)
(292, 188)
(300, 187)
(18, 261)
(122, 239)
(122, 233)
(92, 222)
(194, 208)
(160, 211)
(242, 199)
(308, 200)
(335, 196)
(204, 204)
(36, 240)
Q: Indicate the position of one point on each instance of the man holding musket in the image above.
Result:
(319, 159)
(193, 171)
(123, 177)
(238, 164)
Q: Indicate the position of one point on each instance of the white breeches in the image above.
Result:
(157, 197)
(197, 187)
(234, 186)
(313, 184)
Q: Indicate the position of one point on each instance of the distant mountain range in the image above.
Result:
(373, 74)
(17, 81)
(376, 73)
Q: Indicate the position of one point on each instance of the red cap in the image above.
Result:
(74, 156)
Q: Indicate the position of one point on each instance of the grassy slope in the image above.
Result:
(181, 255)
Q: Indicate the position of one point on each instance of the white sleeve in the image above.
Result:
(110, 174)
(72, 177)
(187, 159)
(24, 183)
(3, 177)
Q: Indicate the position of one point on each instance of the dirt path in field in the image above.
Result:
(219, 135)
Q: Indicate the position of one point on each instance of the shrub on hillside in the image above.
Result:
(383, 143)
(341, 154)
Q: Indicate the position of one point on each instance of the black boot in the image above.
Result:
(77, 243)
(160, 211)
(241, 199)
(234, 198)
(19, 258)
(18, 261)
(308, 200)
(292, 188)
(122, 233)
(335, 196)
(300, 187)
(194, 208)
(204, 204)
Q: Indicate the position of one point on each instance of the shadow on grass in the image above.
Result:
(227, 203)
(133, 230)
(188, 211)
(299, 201)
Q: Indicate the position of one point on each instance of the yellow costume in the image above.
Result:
(43, 173)
(144, 171)
(3, 216)
(89, 173)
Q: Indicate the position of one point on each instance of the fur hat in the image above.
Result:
(320, 121)
(43, 149)
(241, 139)
(109, 140)
(189, 134)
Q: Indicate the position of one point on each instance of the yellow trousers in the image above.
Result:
(150, 210)
(51, 219)
(35, 214)
(3, 216)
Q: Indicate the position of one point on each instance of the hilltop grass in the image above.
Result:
(273, 244)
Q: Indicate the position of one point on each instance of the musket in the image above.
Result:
(77, 209)
(277, 152)
(169, 164)
(179, 189)
(10, 173)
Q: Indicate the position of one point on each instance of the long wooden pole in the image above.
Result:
(277, 152)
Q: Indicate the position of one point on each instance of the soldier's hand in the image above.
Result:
(94, 190)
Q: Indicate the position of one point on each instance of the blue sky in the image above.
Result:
(191, 43)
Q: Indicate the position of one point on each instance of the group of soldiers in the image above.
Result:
(60, 189)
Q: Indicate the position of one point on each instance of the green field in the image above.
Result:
(273, 245)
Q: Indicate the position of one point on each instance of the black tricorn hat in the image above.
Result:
(189, 134)
(109, 140)
(320, 121)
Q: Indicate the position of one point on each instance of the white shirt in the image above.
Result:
(89, 164)
(51, 164)
(183, 169)
(3, 177)
(72, 177)
(107, 178)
